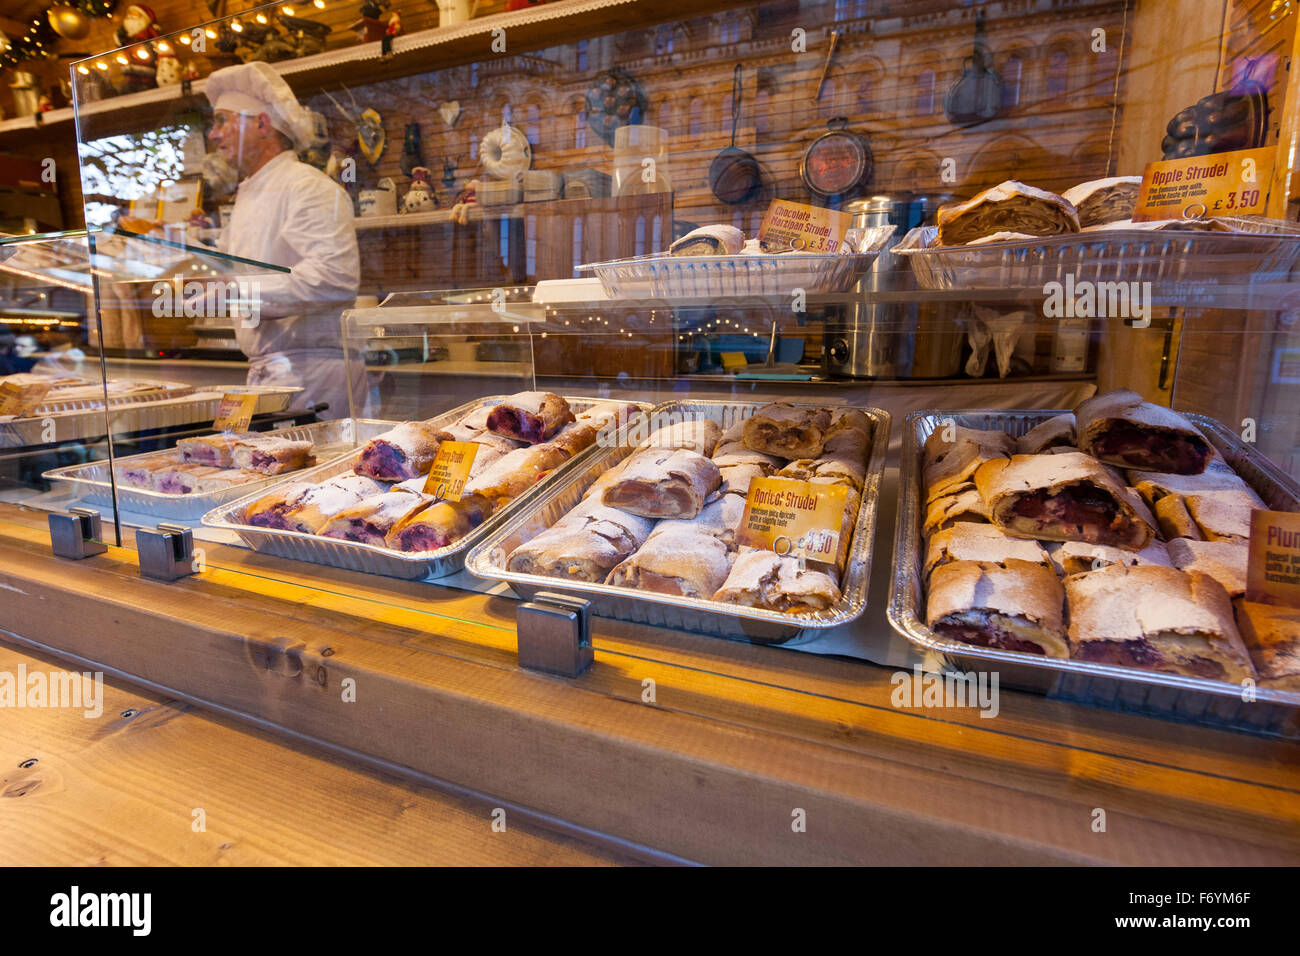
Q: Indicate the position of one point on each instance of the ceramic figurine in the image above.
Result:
(169, 69)
(420, 197)
(379, 201)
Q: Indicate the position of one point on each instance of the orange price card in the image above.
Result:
(1220, 184)
(794, 517)
(450, 470)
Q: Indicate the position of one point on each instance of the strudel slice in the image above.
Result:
(1008, 207)
(1057, 432)
(1272, 636)
(1104, 200)
(681, 561)
(530, 417)
(583, 545)
(439, 525)
(403, 452)
(182, 478)
(370, 520)
(979, 542)
(1119, 428)
(304, 506)
(736, 478)
(1079, 557)
(719, 519)
(1011, 605)
(1225, 561)
(776, 583)
(663, 483)
(733, 454)
(271, 454)
(963, 505)
(1069, 497)
(140, 473)
(952, 454)
(514, 473)
(1157, 619)
(786, 431)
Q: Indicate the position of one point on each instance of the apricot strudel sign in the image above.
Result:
(794, 517)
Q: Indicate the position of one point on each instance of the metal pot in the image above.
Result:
(734, 175)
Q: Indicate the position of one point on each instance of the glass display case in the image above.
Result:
(773, 248)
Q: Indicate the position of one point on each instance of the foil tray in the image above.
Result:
(1262, 251)
(90, 482)
(488, 559)
(372, 559)
(88, 422)
(1192, 699)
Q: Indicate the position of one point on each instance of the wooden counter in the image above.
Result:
(738, 743)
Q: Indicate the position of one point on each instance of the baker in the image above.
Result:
(287, 214)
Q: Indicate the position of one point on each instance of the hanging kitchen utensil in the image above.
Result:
(734, 175)
(976, 96)
(837, 165)
(835, 39)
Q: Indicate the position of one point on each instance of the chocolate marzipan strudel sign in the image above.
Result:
(1273, 564)
(794, 517)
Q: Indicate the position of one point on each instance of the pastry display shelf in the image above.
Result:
(436, 217)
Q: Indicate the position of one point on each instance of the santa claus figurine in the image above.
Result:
(138, 24)
(169, 68)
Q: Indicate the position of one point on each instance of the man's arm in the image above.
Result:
(318, 227)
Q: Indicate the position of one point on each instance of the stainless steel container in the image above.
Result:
(876, 339)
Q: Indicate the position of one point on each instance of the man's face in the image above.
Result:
(229, 134)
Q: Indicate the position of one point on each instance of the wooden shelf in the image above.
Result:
(552, 24)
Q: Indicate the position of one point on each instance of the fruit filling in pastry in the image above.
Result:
(439, 525)
(1012, 605)
(992, 630)
(1143, 448)
(530, 417)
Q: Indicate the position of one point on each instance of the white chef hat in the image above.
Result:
(255, 88)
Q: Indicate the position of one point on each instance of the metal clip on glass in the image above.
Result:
(77, 533)
(166, 553)
(554, 633)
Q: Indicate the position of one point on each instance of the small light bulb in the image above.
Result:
(101, 65)
(186, 39)
(237, 27)
(319, 4)
(164, 48)
(260, 18)
(211, 34)
(142, 53)
(123, 60)
(287, 11)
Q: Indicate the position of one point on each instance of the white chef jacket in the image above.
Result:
(291, 214)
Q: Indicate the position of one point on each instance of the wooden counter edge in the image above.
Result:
(698, 788)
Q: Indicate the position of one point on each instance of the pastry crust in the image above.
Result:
(529, 417)
(949, 464)
(584, 544)
(786, 431)
(700, 435)
(719, 519)
(1104, 200)
(1056, 432)
(1218, 476)
(736, 478)
(1174, 520)
(979, 542)
(1008, 207)
(405, 451)
(305, 507)
(140, 473)
(1222, 515)
(1225, 561)
(664, 483)
(1272, 637)
(1010, 605)
(1158, 619)
(682, 560)
(731, 454)
(1119, 428)
(765, 580)
(1068, 497)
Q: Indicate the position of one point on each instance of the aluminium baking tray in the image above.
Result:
(1262, 250)
(372, 559)
(1197, 700)
(89, 423)
(90, 482)
(669, 276)
(488, 559)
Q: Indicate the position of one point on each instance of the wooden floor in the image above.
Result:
(156, 782)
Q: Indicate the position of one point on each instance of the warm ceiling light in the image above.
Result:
(260, 18)
(142, 53)
(123, 60)
(83, 71)
(101, 65)
(237, 27)
(287, 11)
(185, 38)
(164, 48)
(211, 34)
(318, 4)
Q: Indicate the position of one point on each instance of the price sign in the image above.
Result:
(795, 517)
(235, 412)
(450, 470)
(791, 225)
(1273, 561)
(1221, 184)
(21, 400)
